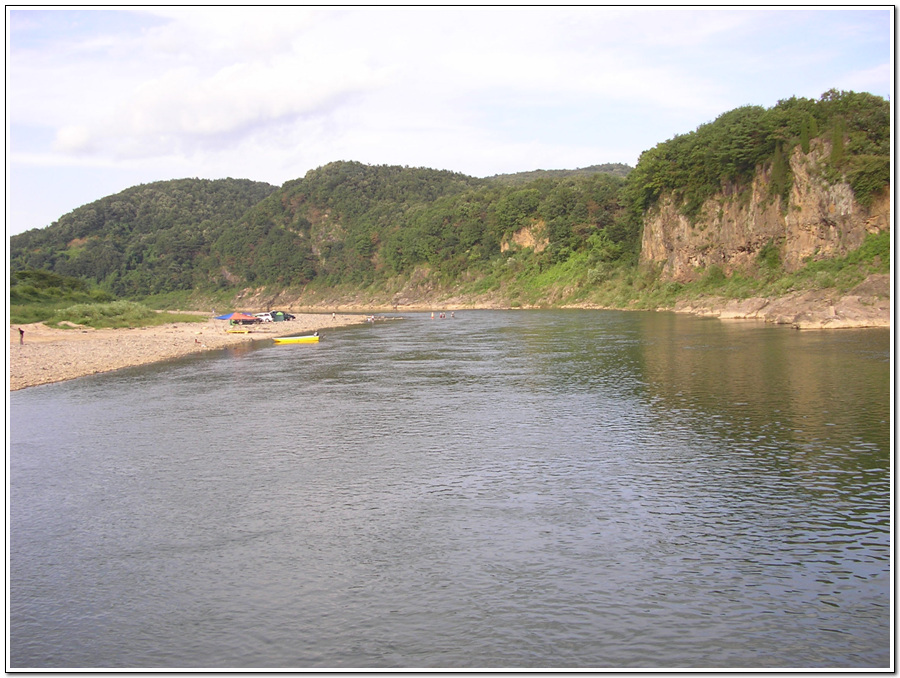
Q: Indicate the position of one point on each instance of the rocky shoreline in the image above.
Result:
(866, 305)
(50, 355)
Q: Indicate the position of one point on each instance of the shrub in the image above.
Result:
(868, 174)
(114, 314)
(769, 256)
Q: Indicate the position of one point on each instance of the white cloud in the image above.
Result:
(147, 106)
(209, 76)
(268, 93)
(238, 31)
(72, 138)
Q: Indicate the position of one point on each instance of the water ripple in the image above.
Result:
(518, 490)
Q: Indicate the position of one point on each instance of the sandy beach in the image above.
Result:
(49, 355)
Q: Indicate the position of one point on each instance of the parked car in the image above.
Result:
(264, 317)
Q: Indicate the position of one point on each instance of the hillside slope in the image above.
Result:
(147, 239)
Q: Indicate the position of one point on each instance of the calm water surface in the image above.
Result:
(502, 489)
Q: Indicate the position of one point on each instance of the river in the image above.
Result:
(501, 489)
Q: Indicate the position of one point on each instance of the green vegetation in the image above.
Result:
(115, 314)
(536, 238)
(189, 299)
(343, 224)
(37, 286)
(617, 169)
(723, 155)
(43, 296)
(617, 284)
(35, 295)
(147, 239)
(873, 256)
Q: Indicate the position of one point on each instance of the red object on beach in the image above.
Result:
(239, 318)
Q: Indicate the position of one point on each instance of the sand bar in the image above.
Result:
(49, 355)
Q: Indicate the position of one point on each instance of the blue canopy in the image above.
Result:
(236, 315)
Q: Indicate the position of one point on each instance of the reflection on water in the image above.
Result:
(820, 388)
(503, 489)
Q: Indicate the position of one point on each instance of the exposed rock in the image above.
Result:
(820, 221)
(866, 305)
(532, 237)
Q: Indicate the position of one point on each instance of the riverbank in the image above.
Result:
(50, 355)
(866, 305)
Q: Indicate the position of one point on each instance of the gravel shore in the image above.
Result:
(50, 355)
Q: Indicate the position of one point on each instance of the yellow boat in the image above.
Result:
(307, 339)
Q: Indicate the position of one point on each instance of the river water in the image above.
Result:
(532, 489)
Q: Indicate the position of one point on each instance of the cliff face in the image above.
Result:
(533, 237)
(820, 221)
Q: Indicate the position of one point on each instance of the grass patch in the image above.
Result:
(22, 314)
(35, 295)
(116, 314)
(841, 273)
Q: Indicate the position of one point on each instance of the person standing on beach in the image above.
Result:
(21, 336)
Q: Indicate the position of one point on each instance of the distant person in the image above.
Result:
(332, 315)
(21, 336)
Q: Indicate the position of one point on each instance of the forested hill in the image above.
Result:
(148, 238)
(344, 223)
(617, 169)
(356, 226)
(349, 223)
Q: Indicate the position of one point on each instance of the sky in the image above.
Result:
(99, 100)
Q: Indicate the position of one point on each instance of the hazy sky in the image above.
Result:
(100, 100)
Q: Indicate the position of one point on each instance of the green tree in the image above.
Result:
(837, 144)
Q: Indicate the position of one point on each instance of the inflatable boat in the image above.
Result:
(307, 339)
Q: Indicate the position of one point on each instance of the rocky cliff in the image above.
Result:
(820, 220)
